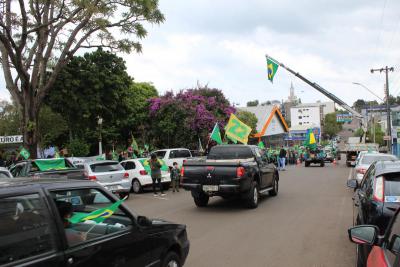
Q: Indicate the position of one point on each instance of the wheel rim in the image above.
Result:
(136, 186)
(172, 263)
(255, 196)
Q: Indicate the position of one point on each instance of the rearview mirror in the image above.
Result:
(352, 183)
(363, 234)
(395, 244)
(144, 221)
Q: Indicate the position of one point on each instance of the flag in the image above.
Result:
(261, 145)
(24, 153)
(57, 154)
(114, 155)
(272, 68)
(216, 135)
(310, 141)
(200, 146)
(146, 147)
(236, 130)
(134, 145)
(98, 215)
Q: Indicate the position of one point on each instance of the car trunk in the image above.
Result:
(108, 172)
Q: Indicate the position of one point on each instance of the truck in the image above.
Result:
(353, 149)
(315, 156)
(231, 171)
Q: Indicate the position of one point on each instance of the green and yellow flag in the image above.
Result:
(216, 135)
(310, 141)
(272, 69)
(24, 153)
(261, 145)
(236, 130)
(98, 215)
(134, 145)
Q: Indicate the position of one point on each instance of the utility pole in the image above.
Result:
(389, 121)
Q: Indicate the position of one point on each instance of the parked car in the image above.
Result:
(230, 171)
(361, 153)
(5, 173)
(365, 160)
(329, 156)
(139, 174)
(39, 227)
(179, 155)
(377, 197)
(39, 168)
(385, 250)
(109, 174)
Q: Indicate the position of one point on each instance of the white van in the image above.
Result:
(179, 155)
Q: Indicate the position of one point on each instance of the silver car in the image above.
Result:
(366, 160)
(5, 173)
(109, 174)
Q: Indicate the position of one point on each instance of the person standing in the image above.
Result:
(282, 158)
(155, 167)
(175, 177)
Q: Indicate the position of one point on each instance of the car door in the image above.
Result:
(363, 196)
(264, 169)
(27, 232)
(392, 239)
(115, 241)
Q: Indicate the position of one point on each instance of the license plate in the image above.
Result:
(210, 188)
(112, 187)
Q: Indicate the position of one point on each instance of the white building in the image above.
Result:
(306, 114)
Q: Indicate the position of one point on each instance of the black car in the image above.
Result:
(377, 197)
(385, 248)
(78, 223)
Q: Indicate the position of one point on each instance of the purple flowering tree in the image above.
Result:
(180, 119)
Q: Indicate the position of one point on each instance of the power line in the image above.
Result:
(380, 30)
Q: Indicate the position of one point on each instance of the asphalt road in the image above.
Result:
(305, 225)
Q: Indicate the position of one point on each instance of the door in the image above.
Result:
(265, 169)
(392, 238)
(27, 232)
(106, 239)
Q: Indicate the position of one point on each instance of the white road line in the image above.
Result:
(350, 173)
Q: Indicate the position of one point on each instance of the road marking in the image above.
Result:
(350, 174)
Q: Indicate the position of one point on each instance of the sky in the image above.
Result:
(223, 44)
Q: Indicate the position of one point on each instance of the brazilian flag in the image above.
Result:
(98, 215)
(310, 141)
(272, 69)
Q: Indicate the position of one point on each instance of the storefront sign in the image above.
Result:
(344, 117)
(11, 139)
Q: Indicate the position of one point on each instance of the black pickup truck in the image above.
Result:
(230, 171)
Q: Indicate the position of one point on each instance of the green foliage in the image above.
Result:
(53, 128)
(359, 132)
(78, 148)
(10, 119)
(253, 103)
(248, 118)
(331, 126)
(378, 135)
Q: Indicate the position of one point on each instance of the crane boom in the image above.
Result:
(320, 89)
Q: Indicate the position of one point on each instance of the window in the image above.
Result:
(300, 117)
(160, 154)
(25, 228)
(17, 170)
(79, 203)
(106, 167)
(129, 165)
(179, 154)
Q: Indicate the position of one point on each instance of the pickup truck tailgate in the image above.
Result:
(210, 172)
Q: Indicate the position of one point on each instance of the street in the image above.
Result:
(305, 225)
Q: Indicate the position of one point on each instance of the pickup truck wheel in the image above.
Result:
(322, 164)
(275, 187)
(253, 196)
(201, 200)
(171, 260)
(307, 164)
(136, 186)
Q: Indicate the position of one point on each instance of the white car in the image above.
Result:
(178, 155)
(366, 160)
(109, 174)
(5, 173)
(139, 177)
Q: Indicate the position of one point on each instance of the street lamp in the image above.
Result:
(366, 88)
(100, 122)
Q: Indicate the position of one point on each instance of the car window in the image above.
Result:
(160, 154)
(230, 152)
(26, 229)
(183, 153)
(106, 167)
(17, 170)
(392, 184)
(367, 182)
(129, 165)
(4, 174)
(89, 214)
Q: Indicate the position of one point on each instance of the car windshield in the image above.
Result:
(106, 167)
(392, 184)
(369, 159)
(227, 152)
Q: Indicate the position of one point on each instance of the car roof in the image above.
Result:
(387, 166)
(44, 182)
(99, 161)
(166, 149)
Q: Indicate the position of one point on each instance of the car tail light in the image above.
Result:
(240, 172)
(92, 177)
(182, 171)
(379, 189)
(210, 168)
(361, 170)
(143, 172)
(126, 175)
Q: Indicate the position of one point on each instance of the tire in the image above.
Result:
(201, 200)
(275, 186)
(252, 196)
(136, 186)
(123, 195)
(322, 164)
(166, 186)
(307, 164)
(171, 260)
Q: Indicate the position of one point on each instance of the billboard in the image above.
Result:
(347, 117)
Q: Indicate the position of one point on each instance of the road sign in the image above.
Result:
(386, 137)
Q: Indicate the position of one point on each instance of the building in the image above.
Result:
(289, 103)
(311, 113)
(271, 125)
(297, 134)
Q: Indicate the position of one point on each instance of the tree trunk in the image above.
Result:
(30, 114)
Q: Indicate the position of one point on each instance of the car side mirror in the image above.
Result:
(352, 183)
(394, 245)
(144, 221)
(363, 234)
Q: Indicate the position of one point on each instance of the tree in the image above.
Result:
(248, 118)
(90, 87)
(253, 103)
(359, 104)
(181, 119)
(9, 119)
(38, 39)
(331, 126)
(52, 128)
